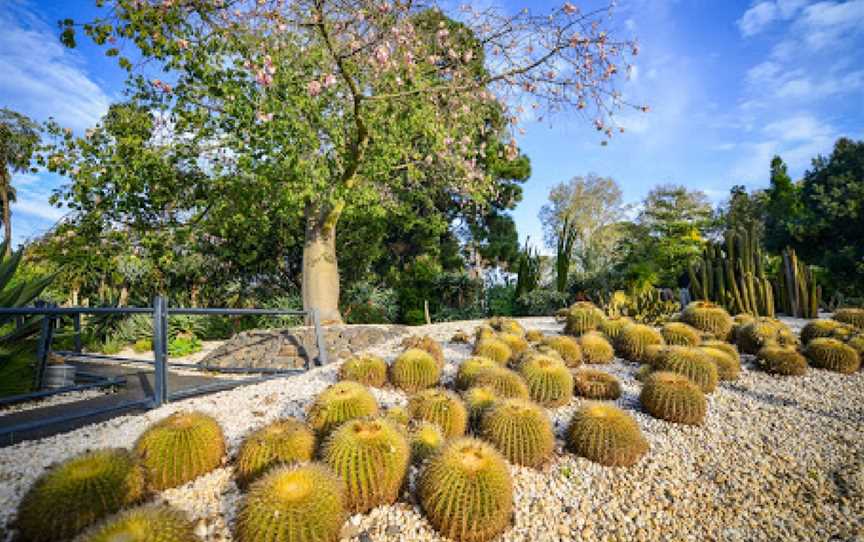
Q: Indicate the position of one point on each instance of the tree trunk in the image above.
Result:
(7, 212)
(320, 268)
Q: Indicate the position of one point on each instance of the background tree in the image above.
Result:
(783, 207)
(19, 137)
(743, 211)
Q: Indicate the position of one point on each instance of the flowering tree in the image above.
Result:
(345, 101)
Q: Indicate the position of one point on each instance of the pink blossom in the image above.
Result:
(264, 117)
(570, 9)
(314, 88)
(183, 44)
(329, 80)
(263, 78)
(382, 55)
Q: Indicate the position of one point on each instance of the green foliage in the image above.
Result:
(366, 303)
(567, 238)
(183, 346)
(78, 492)
(595, 348)
(709, 318)
(301, 503)
(466, 491)
(142, 345)
(781, 360)
(606, 435)
(680, 334)
(527, 270)
(520, 430)
(851, 316)
(494, 349)
(372, 456)
(582, 316)
(504, 382)
(180, 448)
(339, 403)
(541, 302)
(469, 369)
(834, 355)
(567, 347)
(148, 523)
(549, 381)
(368, 370)
(441, 407)
(283, 441)
(414, 370)
(692, 362)
(673, 397)
(501, 300)
(633, 341)
(426, 439)
(594, 384)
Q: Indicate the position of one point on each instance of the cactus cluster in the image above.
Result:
(798, 294)
(466, 491)
(764, 332)
(506, 325)
(504, 382)
(612, 326)
(368, 370)
(469, 369)
(483, 331)
(674, 398)
(301, 503)
(478, 400)
(425, 438)
(516, 343)
(180, 448)
(594, 384)
(398, 415)
(739, 321)
(283, 441)
(728, 366)
(549, 381)
(692, 362)
(606, 435)
(441, 407)
(709, 318)
(583, 316)
(339, 403)
(372, 456)
(680, 334)
(834, 355)
(595, 348)
(851, 316)
(78, 492)
(148, 523)
(534, 335)
(520, 430)
(427, 344)
(494, 349)
(567, 348)
(414, 370)
(633, 341)
(781, 360)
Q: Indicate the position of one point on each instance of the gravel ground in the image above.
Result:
(777, 458)
(54, 400)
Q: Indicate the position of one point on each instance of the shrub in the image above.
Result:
(567, 347)
(612, 326)
(834, 355)
(478, 399)
(781, 360)
(300, 503)
(366, 303)
(466, 491)
(594, 384)
(852, 316)
(149, 523)
(440, 407)
(819, 328)
(142, 345)
(691, 362)
(494, 349)
(372, 457)
(581, 317)
(78, 492)
(426, 439)
(534, 335)
(505, 383)
(520, 430)
(501, 300)
(708, 317)
(339, 403)
(368, 370)
(184, 345)
(541, 302)
(469, 369)
(283, 441)
(427, 344)
(673, 397)
(606, 435)
(681, 334)
(595, 348)
(414, 370)
(728, 367)
(180, 448)
(549, 381)
(634, 339)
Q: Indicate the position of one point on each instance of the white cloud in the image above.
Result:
(798, 128)
(761, 15)
(36, 207)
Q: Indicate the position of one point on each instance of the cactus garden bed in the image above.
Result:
(769, 457)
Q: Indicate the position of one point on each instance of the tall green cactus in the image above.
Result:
(797, 292)
(566, 240)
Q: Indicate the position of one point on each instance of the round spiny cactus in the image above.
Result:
(367, 370)
(652, 354)
(180, 448)
(516, 343)
(506, 383)
(372, 456)
(634, 339)
(728, 367)
(339, 403)
(460, 337)
(643, 372)
(466, 491)
(469, 368)
(729, 349)
(708, 317)
(758, 333)
(494, 349)
(534, 335)
(607, 435)
(414, 370)
(426, 439)
(567, 347)
(857, 344)
(611, 327)
(520, 430)
(815, 329)
(739, 321)
(680, 334)
(549, 381)
(582, 316)
(398, 415)
(78, 492)
(483, 331)
(673, 397)
(851, 316)
(595, 348)
(478, 400)
(427, 344)
(594, 384)
(540, 350)
(440, 407)
(781, 360)
(692, 362)
(148, 523)
(283, 441)
(834, 355)
(300, 503)
(506, 325)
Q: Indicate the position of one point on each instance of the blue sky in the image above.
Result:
(729, 83)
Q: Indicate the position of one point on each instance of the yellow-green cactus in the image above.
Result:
(414, 370)
(606, 435)
(398, 415)
(708, 317)
(549, 381)
(819, 328)
(148, 523)
(673, 397)
(441, 407)
(594, 384)
(504, 382)
(427, 344)
(781, 360)
(426, 439)
(728, 367)
(852, 316)
(284, 441)
(634, 340)
(516, 343)
(482, 332)
(494, 349)
(567, 348)
(692, 362)
(583, 316)
(506, 325)
(534, 335)
(763, 332)
(339, 403)
(368, 370)
(680, 334)
(478, 400)
(611, 327)
(520, 430)
(469, 369)
(729, 349)
(596, 348)
(834, 355)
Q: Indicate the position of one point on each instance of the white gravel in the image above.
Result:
(777, 458)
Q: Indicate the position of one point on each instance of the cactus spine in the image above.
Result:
(607, 435)
(549, 381)
(780, 360)
(470, 368)
(494, 349)
(594, 384)
(504, 382)
(673, 397)
(283, 441)
(367, 370)
(339, 403)
(441, 407)
(414, 370)
(567, 347)
(426, 439)
(520, 430)
(834, 355)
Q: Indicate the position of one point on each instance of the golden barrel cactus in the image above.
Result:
(673, 397)
(441, 407)
(520, 430)
(606, 435)
(339, 403)
(284, 441)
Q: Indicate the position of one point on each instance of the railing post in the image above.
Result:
(319, 338)
(41, 348)
(76, 324)
(159, 351)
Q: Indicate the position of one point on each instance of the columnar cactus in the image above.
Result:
(414, 370)
(673, 397)
(634, 340)
(494, 349)
(180, 448)
(728, 367)
(478, 400)
(781, 360)
(441, 407)
(680, 334)
(466, 491)
(78, 492)
(607, 435)
(367, 370)
(595, 348)
(469, 369)
(852, 316)
(708, 317)
(611, 327)
(567, 347)
(581, 317)
(300, 503)
(283, 441)
(819, 328)
(834, 355)
(372, 456)
(520, 430)
(339, 403)
(594, 384)
(549, 381)
(148, 523)
(692, 362)
(427, 344)
(426, 439)
(505, 382)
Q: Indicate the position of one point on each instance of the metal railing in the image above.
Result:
(160, 395)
